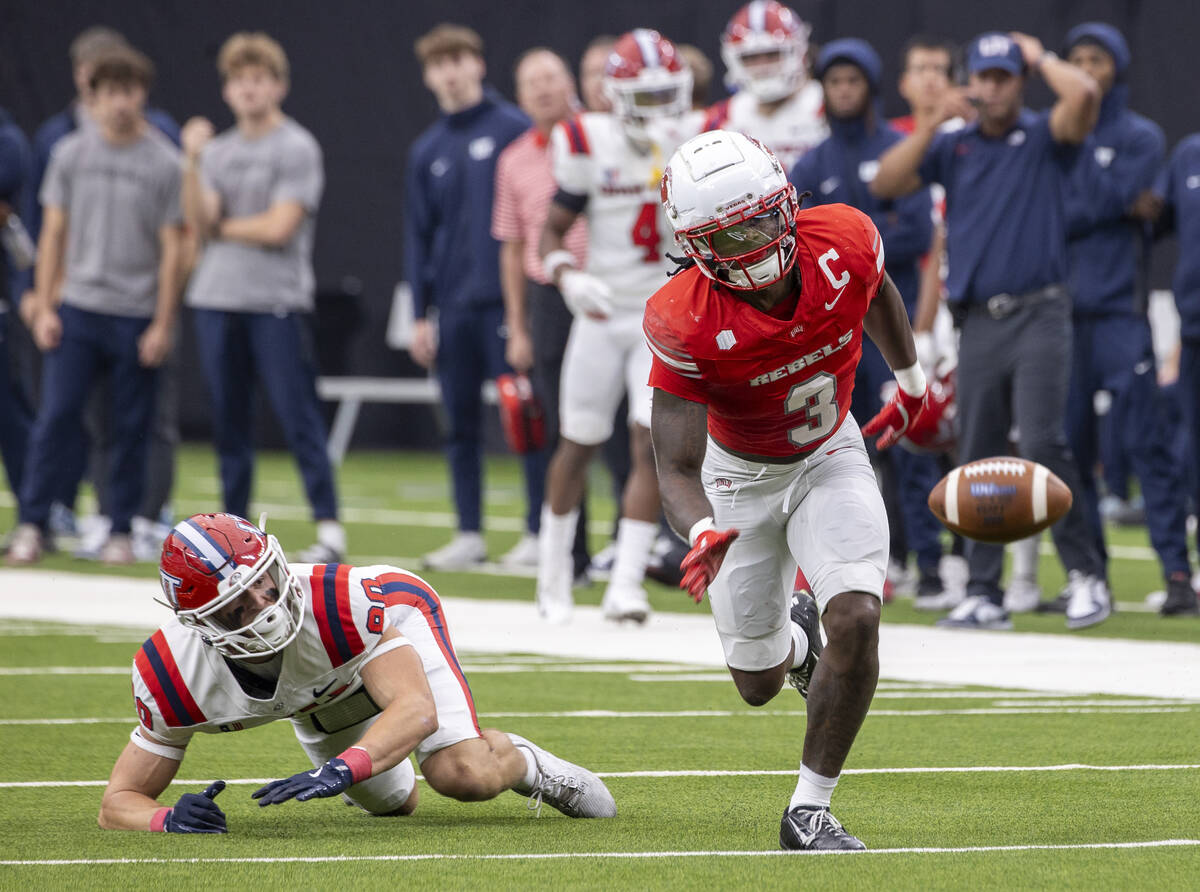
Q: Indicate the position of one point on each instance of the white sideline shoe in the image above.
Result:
(26, 546)
(555, 602)
(464, 551)
(977, 613)
(570, 788)
(1090, 602)
(523, 554)
(1022, 595)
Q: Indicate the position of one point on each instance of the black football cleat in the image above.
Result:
(1181, 599)
(806, 615)
(814, 828)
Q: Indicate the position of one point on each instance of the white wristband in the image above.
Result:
(552, 261)
(700, 526)
(911, 379)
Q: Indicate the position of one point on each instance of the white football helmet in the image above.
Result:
(732, 209)
(776, 39)
(646, 79)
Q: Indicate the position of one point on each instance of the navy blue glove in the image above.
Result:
(330, 779)
(197, 812)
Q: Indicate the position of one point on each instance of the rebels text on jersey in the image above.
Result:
(182, 685)
(773, 387)
(628, 235)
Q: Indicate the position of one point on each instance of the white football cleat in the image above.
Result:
(570, 788)
(625, 603)
(555, 602)
(464, 551)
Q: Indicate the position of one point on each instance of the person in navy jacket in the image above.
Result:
(1106, 242)
(16, 416)
(838, 170)
(452, 263)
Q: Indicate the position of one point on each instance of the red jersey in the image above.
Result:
(773, 387)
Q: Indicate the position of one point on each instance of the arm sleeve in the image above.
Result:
(672, 367)
(506, 210)
(56, 187)
(417, 226)
(572, 157)
(301, 175)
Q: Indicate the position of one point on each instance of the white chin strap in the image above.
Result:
(776, 87)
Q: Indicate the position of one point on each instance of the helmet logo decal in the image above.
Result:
(170, 587)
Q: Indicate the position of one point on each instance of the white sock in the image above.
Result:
(530, 777)
(555, 538)
(1025, 557)
(635, 542)
(332, 534)
(799, 646)
(812, 789)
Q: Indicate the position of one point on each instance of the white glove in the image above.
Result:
(585, 294)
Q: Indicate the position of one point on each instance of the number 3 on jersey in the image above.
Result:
(816, 398)
(645, 232)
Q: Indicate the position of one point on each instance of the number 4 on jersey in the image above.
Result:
(645, 232)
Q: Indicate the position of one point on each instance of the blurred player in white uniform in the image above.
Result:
(608, 166)
(765, 50)
(360, 660)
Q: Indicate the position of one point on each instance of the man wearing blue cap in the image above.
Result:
(1106, 242)
(1004, 176)
(839, 170)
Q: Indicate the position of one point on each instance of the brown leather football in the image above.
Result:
(999, 499)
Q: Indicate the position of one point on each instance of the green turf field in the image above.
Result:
(951, 787)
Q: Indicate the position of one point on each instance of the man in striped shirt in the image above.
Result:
(536, 320)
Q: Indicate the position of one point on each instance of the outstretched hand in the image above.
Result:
(330, 779)
(896, 418)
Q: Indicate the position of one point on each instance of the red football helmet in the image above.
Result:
(211, 560)
(933, 432)
(646, 78)
(764, 48)
(521, 413)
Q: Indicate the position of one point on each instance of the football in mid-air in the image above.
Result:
(999, 499)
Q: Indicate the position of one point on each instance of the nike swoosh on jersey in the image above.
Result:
(837, 297)
(317, 694)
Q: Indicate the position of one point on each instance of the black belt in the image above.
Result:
(1001, 306)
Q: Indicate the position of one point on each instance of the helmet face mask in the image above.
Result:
(230, 582)
(733, 210)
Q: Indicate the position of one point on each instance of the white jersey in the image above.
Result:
(789, 131)
(628, 234)
(181, 685)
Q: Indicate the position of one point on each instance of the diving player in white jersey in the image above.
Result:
(608, 166)
(765, 50)
(360, 660)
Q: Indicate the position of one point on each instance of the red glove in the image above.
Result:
(701, 564)
(895, 419)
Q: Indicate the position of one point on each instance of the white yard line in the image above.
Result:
(783, 772)
(1062, 664)
(1115, 708)
(624, 856)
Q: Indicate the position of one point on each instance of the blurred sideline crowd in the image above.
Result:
(517, 252)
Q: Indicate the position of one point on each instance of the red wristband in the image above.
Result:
(358, 760)
(158, 823)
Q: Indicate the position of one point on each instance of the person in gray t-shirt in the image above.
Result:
(251, 195)
(106, 295)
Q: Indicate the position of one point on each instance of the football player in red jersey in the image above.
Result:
(360, 660)
(755, 345)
